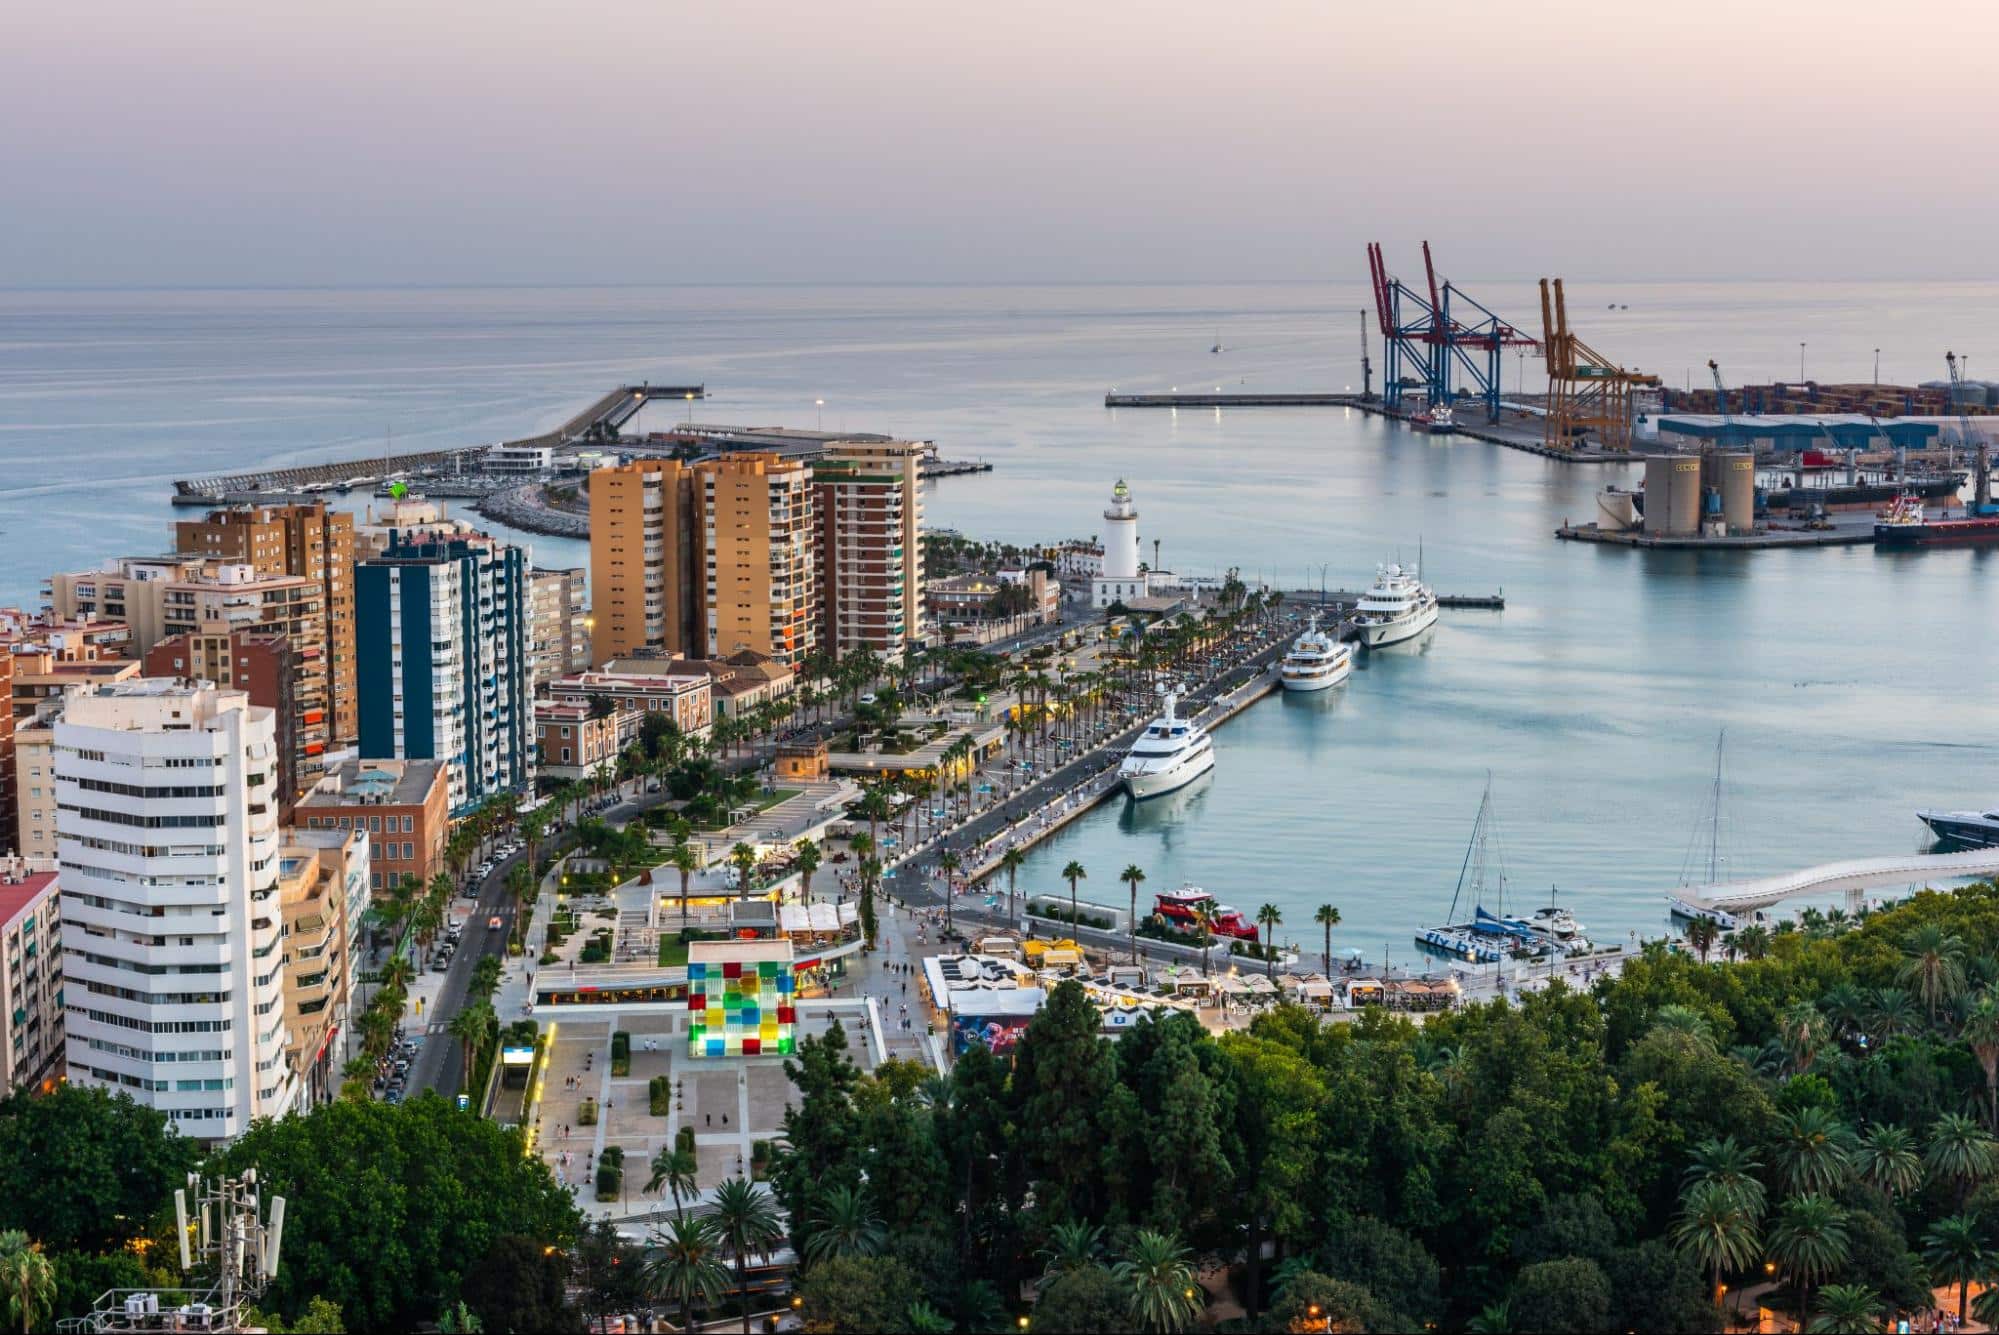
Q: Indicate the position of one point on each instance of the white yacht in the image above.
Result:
(1315, 661)
(1399, 607)
(1170, 754)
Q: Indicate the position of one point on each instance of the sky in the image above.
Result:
(241, 143)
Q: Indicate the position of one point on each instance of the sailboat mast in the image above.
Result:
(1714, 816)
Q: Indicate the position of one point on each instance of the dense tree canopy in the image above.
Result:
(83, 1170)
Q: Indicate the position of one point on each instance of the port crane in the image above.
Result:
(1438, 337)
(1366, 366)
(1586, 390)
(1981, 496)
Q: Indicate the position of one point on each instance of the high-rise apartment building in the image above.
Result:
(443, 629)
(312, 541)
(263, 665)
(130, 589)
(30, 976)
(645, 560)
(761, 577)
(561, 643)
(870, 508)
(9, 774)
(172, 932)
(322, 892)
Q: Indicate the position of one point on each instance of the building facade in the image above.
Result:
(321, 877)
(311, 541)
(443, 634)
(263, 665)
(671, 686)
(577, 742)
(404, 806)
(173, 964)
(645, 556)
(759, 537)
(870, 561)
(31, 983)
(9, 769)
(561, 625)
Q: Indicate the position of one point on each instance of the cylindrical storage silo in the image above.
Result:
(1737, 483)
(1672, 494)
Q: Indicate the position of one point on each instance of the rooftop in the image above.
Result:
(398, 783)
(17, 892)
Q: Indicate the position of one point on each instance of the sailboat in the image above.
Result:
(1679, 904)
(1218, 349)
(1469, 941)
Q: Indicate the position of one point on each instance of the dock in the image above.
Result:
(1344, 598)
(1179, 400)
(599, 421)
(929, 468)
(1850, 535)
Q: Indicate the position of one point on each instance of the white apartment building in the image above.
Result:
(173, 962)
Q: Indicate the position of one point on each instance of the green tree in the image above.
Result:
(1159, 1280)
(1268, 917)
(1933, 965)
(1566, 1297)
(516, 1286)
(1847, 1309)
(349, 1170)
(1981, 1033)
(1072, 1245)
(1073, 873)
(744, 859)
(1733, 1166)
(1311, 1301)
(684, 1266)
(1960, 1152)
(83, 1170)
(1011, 862)
(1814, 1151)
(673, 1170)
(1086, 1301)
(808, 860)
(683, 858)
(1887, 1160)
(845, 1225)
(1716, 1231)
(1134, 876)
(609, 1272)
(1328, 917)
(1808, 1241)
(747, 1224)
(1956, 1251)
(948, 862)
(471, 1027)
(27, 1280)
(485, 980)
(1654, 1288)
(1063, 1078)
(857, 1295)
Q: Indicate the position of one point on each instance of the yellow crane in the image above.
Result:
(1588, 394)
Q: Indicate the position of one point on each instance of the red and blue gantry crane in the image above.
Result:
(1433, 335)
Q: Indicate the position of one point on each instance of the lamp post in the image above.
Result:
(1801, 361)
(819, 405)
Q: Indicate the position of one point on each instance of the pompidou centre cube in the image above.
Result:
(740, 999)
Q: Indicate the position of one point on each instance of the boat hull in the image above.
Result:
(1938, 533)
(1395, 632)
(1960, 828)
(1687, 909)
(1145, 787)
(1319, 682)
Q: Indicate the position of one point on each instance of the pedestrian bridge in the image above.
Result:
(1851, 877)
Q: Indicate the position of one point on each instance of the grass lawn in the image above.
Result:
(672, 951)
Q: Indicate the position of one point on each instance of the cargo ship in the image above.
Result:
(1906, 524)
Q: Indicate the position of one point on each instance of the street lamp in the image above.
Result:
(1801, 361)
(820, 406)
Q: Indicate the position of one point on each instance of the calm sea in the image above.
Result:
(1854, 686)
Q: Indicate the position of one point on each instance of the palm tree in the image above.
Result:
(1981, 1032)
(949, 862)
(1956, 1252)
(1803, 1031)
(674, 1170)
(1267, 918)
(844, 1225)
(1809, 1241)
(1493, 1319)
(1847, 1309)
(746, 1223)
(1960, 1151)
(485, 979)
(397, 974)
(744, 859)
(683, 859)
(1933, 965)
(1156, 1276)
(1887, 1160)
(1890, 1011)
(470, 1027)
(1073, 1246)
(1328, 917)
(686, 1266)
(1201, 924)
(809, 857)
(1753, 941)
(1732, 1166)
(1814, 1151)
(1073, 873)
(1715, 1231)
(1134, 876)
(1701, 934)
(27, 1280)
(1011, 862)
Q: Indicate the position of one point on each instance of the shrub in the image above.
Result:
(586, 1113)
(683, 1139)
(659, 1096)
(621, 1053)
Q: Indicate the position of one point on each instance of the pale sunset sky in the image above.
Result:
(239, 142)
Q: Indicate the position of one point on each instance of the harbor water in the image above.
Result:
(1854, 686)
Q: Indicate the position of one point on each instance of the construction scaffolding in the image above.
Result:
(1587, 392)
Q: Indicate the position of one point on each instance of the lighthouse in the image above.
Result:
(1121, 580)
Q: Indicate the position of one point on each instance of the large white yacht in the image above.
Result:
(1171, 753)
(1399, 607)
(1315, 661)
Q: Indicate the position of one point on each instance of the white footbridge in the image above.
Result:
(1851, 877)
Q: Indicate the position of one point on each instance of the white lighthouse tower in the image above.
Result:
(1120, 580)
